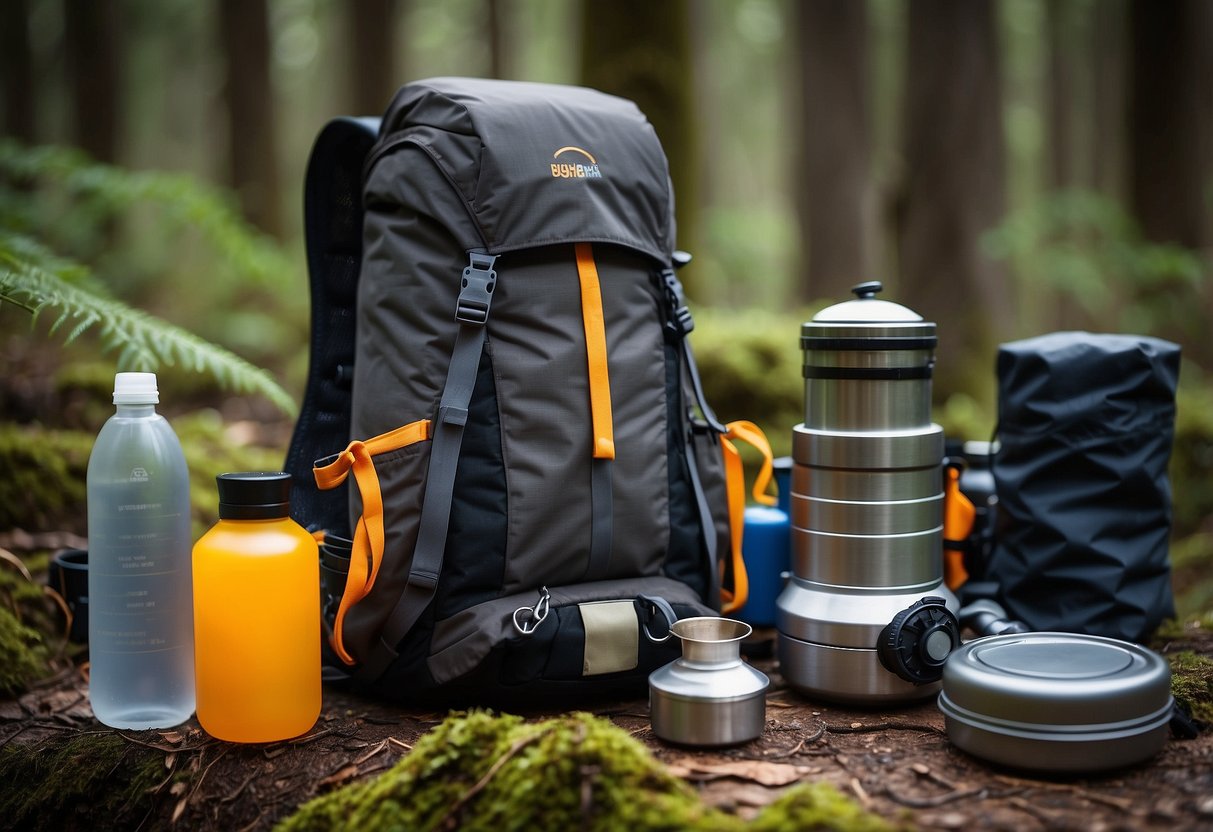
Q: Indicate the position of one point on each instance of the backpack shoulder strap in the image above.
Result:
(333, 227)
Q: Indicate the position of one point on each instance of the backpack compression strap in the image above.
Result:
(472, 312)
(333, 224)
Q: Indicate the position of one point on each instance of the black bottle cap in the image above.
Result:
(254, 495)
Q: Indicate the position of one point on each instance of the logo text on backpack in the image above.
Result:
(578, 170)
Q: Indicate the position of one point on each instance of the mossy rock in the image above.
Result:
(22, 655)
(44, 482)
(90, 781)
(481, 771)
(1192, 684)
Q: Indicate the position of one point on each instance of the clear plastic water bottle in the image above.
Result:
(141, 639)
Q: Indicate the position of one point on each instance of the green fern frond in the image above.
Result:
(181, 200)
(143, 342)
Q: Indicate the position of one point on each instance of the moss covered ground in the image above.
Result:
(91, 781)
(479, 771)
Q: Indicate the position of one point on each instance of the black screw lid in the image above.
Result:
(254, 495)
(917, 642)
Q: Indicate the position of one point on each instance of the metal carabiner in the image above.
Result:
(537, 613)
(653, 606)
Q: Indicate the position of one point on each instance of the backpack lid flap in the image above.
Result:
(541, 164)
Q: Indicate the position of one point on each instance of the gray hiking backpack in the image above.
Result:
(499, 364)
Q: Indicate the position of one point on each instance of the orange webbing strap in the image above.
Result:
(734, 599)
(367, 554)
(958, 517)
(596, 352)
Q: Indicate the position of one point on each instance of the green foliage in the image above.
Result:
(54, 200)
(1086, 247)
(43, 484)
(480, 771)
(750, 364)
(210, 449)
(816, 806)
(44, 487)
(22, 655)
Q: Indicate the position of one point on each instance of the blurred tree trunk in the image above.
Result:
(17, 69)
(93, 40)
(1060, 94)
(495, 24)
(835, 194)
(641, 49)
(372, 66)
(1108, 36)
(954, 185)
(1171, 119)
(1171, 130)
(253, 172)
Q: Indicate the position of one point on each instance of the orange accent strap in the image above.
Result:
(958, 517)
(367, 554)
(735, 598)
(596, 352)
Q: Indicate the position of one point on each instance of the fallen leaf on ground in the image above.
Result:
(759, 771)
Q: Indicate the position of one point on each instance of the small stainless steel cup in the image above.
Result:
(709, 697)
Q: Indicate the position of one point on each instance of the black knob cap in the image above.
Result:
(919, 639)
(868, 289)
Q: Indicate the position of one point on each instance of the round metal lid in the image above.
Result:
(866, 316)
(1060, 680)
(867, 308)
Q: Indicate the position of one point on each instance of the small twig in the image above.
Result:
(403, 746)
(376, 750)
(785, 754)
(16, 562)
(205, 772)
(53, 594)
(239, 789)
(860, 728)
(1025, 806)
(310, 737)
(937, 800)
(488, 775)
(167, 749)
(861, 793)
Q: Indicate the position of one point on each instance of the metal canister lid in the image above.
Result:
(1056, 682)
(866, 316)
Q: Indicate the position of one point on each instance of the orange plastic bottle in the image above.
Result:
(256, 615)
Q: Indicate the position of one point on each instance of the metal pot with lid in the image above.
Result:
(865, 616)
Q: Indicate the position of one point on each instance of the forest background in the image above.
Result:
(1006, 167)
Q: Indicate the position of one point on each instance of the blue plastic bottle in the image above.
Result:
(766, 547)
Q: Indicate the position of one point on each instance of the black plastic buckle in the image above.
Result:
(678, 316)
(476, 293)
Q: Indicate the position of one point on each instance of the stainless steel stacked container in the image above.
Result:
(865, 616)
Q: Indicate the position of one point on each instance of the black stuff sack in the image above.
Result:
(1085, 426)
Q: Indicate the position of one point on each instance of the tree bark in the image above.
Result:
(954, 186)
(496, 15)
(253, 171)
(93, 39)
(1060, 94)
(1171, 119)
(835, 197)
(17, 69)
(641, 50)
(372, 56)
(1109, 145)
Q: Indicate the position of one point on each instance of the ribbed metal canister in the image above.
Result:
(866, 616)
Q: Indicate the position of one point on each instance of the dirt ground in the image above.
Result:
(896, 761)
